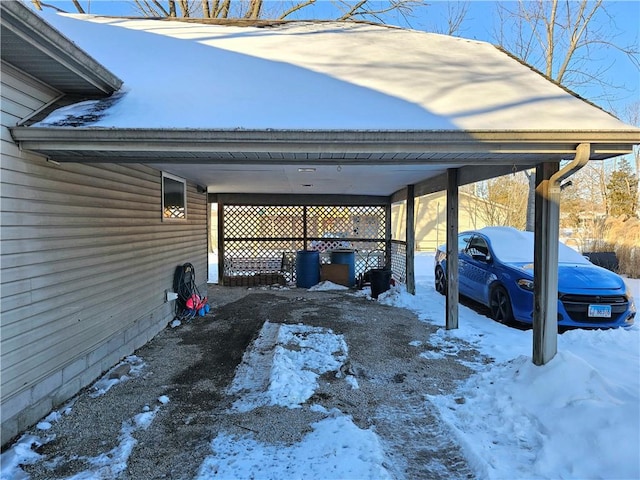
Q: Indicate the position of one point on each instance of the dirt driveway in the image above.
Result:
(193, 365)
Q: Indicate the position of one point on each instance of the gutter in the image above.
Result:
(520, 148)
(417, 140)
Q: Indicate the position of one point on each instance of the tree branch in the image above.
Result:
(184, 8)
(224, 9)
(38, 4)
(206, 11)
(295, 8)
(76, 3)
(353, 10)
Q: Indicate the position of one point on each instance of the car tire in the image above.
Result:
(500, 305)
(440, 281)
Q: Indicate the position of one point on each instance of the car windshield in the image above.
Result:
(514, 246)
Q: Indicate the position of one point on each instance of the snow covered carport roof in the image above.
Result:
(242, 109)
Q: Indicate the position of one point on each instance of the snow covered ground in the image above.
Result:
(577, 417)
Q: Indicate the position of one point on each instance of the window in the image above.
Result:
(478, 248)
(174, 197)
(463, 240)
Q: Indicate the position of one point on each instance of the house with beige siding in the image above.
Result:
(113, 147)
(431, 218)
(87, 254)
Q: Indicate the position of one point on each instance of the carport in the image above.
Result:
(399, 166)
(499, 117)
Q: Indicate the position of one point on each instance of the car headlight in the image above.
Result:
(526, 284)
(632, 303)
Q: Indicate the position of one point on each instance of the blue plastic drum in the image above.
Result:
(307, 268)
(346, 256)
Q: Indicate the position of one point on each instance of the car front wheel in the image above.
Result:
(500, 305)
(441, 281)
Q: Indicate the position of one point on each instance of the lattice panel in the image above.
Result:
(346, 222)
(253, 221)
(260, 242)
(173, 211)
(399, 261)
(368, 255)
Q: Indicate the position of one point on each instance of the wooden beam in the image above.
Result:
(452, 249)
(295, 199)
(545, 265)
(305, 230)
(410, 237)
(466, 175)
(387, 235)
(399, 196)
(220, 243)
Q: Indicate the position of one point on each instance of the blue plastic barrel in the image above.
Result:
(346, 256)
(307, 268)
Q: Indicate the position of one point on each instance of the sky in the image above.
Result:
(577, 417)
(480, 23)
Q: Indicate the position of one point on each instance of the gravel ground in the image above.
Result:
(193, 364)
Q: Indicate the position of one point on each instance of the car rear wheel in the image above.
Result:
(441, 281)
(500, 305)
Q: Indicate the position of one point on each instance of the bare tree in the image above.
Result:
(39, 5)
(499, 201)
(586, 196)
(451, 23)
(373, 10)
(563, 39)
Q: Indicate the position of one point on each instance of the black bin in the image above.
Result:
(380, 281)
(607, 260)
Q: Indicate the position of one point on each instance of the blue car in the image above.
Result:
(496, 270)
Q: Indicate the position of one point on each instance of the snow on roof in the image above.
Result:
(316, 75)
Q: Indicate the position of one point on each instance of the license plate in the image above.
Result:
(602, 311)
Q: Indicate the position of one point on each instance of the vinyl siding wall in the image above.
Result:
(85, 262)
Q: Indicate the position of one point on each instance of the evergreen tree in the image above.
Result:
(622, 191)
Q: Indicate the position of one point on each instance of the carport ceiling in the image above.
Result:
(305, 178)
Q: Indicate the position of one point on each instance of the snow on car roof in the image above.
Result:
(514, 246)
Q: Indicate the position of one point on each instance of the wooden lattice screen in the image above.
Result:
(259, 243)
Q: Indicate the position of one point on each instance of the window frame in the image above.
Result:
(478, 246)
(179, 180)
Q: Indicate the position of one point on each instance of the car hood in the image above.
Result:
(574, 278)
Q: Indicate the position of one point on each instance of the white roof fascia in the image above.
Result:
(41, 36)
(604, 143)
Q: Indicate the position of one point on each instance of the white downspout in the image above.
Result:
(583, 152)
